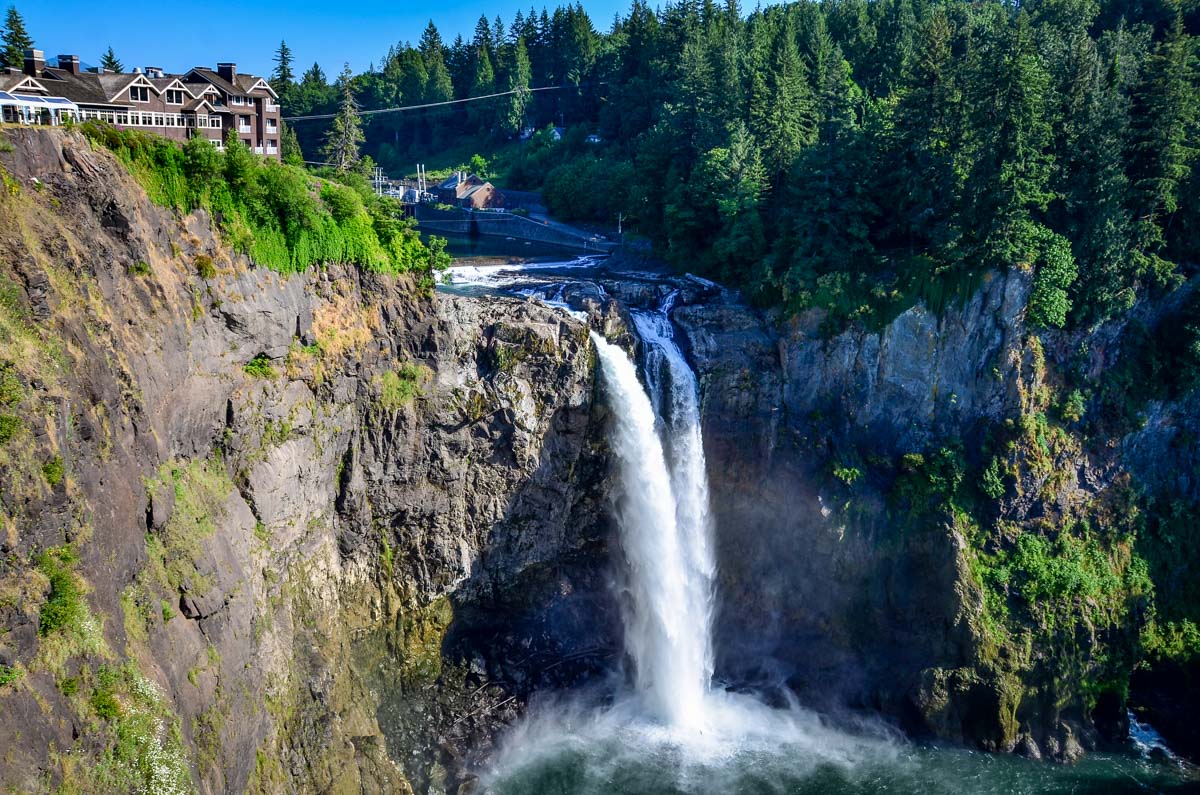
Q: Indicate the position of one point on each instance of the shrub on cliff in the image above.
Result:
(280, 215)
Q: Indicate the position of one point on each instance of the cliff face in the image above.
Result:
(868, 557)
(257, 526)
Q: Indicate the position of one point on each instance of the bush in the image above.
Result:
(204, 266)
(64, 607)
(274, 213)
(9, 674)
(260, 367)
(53, 471)
(10, 426)
(1056, 272)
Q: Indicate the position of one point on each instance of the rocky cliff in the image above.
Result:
(265, 532)
(921, 520)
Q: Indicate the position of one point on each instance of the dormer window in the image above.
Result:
(174, 96)
(236, 100)
(139, 94)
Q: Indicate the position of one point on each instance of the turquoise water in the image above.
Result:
(614, 770)
(754, 750)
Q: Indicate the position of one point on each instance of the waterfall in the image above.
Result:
(662, 512)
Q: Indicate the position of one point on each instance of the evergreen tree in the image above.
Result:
(438, 86)
(283, 79)
(782, 117)
(345, 134)
(15, 39)
(289, 145)
(110, 62)
(518, 80)
(1009, 177)
(1165, 142)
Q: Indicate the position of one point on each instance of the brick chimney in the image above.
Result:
(228, 71)
(35, 61)
(69, 63)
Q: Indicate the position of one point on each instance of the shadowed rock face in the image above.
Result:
(372, 500)
(836, 590)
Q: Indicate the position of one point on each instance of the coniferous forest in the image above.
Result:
(850, 155)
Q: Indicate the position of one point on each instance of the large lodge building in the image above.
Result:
(204, 102)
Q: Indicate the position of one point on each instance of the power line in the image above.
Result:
(432, 104)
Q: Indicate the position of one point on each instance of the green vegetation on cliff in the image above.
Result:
(280, 215)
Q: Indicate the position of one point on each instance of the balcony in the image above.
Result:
(272, 149)
(270, 107)
(243, 128)
(258, 150)
(272, 126)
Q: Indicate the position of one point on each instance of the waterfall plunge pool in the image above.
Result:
(673, 732)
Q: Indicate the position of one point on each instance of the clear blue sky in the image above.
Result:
(177, 36)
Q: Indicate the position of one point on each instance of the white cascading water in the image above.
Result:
(675, 726)
(664, 519)
(667, 614)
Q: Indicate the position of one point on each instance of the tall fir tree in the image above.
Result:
(283, 78)
(519, 73)
(15, 39)
(345, 138)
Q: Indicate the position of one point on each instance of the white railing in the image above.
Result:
(272, 149)
(272, 126)
(258, 150)
(243, 128)
(271, 107)
(139, 119)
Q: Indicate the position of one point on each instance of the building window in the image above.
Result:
(139, 94)
(174, 96)
(236, 100)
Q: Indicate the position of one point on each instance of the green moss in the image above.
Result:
(201, 488)
(9, 675)
(53, 471)
(422, 631)
(64, 607)
(10, 426)
(260, 367)
(398, 388)
(848, 475)
(140, 268)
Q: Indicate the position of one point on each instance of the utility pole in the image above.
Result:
(620, 218)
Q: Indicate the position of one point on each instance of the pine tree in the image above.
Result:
(110, 62)
(518, 80)
(345, 134)
(15, 38)
(783, 118)
(1166, 109)
(283, 79)
(438, 86)
(289, 145)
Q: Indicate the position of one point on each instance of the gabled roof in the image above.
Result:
(218, 81)
(167, 81)
(115, 84)
(82, 89)
(250, 83)
(197, 104)
(23, 83)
